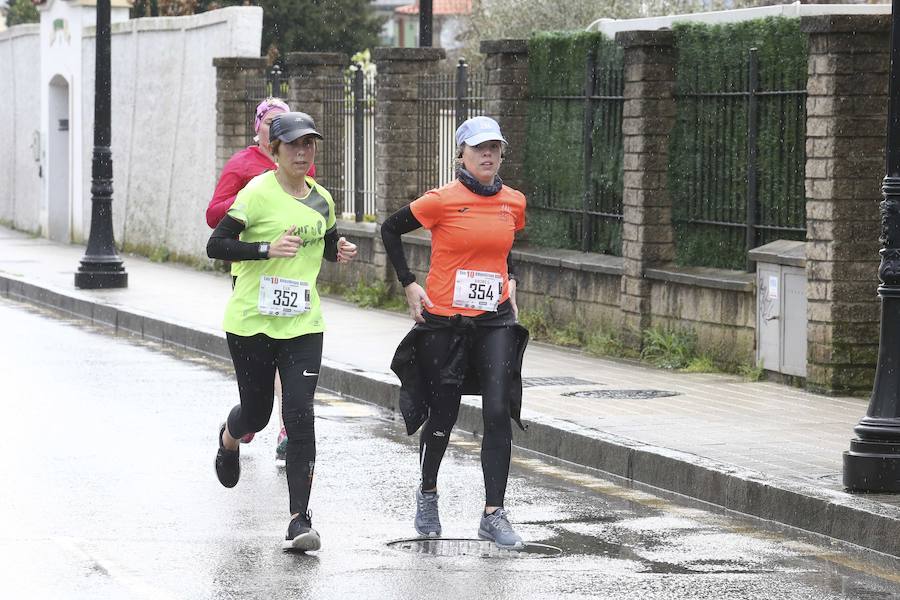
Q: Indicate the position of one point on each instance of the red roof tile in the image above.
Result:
(439, 7)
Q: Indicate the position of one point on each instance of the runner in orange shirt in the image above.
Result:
(466, 338)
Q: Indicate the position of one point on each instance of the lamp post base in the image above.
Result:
(872, 466)
(101, 276)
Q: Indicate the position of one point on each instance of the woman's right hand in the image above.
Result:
(417, 299)
(287, 245)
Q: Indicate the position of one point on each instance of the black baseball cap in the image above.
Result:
(289, 126)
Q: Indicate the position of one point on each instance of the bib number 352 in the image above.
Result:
(480, 290)
(280, 297)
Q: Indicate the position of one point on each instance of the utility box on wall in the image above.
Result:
(781, 306)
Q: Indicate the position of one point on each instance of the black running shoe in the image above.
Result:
(228, 463)
(301, 536)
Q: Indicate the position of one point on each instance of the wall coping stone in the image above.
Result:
(246, 62)
(362, 229)
(574, 260)
(720, 279)
(316, 58)
(659, 37)
(781, 252)
(504, 46)
(845, 24)
(408, 54)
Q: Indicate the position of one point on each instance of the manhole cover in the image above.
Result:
(467, 547)
(539, 381)
(622, 394)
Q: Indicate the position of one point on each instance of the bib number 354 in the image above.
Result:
(480, 290)
(280, 297)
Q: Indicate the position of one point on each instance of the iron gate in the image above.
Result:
(274, 83)
(444, 102)
(347, 165)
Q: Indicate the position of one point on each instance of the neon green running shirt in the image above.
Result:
(267, 211)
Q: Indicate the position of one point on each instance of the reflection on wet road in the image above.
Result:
(109, 492)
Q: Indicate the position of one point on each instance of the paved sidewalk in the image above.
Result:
(759, 448)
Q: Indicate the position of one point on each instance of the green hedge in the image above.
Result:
(708, 149)
(554, 151)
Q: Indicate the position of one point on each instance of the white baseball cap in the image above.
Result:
(477, 130)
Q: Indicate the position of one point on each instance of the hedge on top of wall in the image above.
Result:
(554, 151)
(708, 149)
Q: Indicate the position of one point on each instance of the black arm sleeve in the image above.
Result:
(331, 240)
(511, 273)
(402, 221)
(225, 245)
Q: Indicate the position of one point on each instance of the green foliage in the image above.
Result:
(375, 295)
(701, 364)
(21, 11)
(536, 321)
(669, 348)
(554, 151)
(708, 148)
(752, 372)
(290, 25)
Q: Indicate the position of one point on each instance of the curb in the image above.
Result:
(835, 514)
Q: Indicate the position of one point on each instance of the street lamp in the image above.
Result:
(426, 14)
(873, 462)
(100, 266)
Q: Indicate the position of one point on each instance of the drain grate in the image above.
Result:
(467, 547)
(622, 394)
(543, 381)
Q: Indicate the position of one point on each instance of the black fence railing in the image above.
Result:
(275, 83)
(347, 165)
(444, 102)
(588, 213)
(739, 172)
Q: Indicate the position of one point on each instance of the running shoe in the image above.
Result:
(427, 522)
(281, 449)
(301, 536)
(228, 463)
(496, 527)
(248, 438)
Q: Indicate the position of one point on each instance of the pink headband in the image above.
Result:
(264, 107)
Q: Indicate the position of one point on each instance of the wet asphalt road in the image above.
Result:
(108, 491)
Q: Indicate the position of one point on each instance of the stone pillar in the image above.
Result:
(647, 119)
(505, 99)
(846, 120)
(309, 73)
(396, 132)
(234, 125)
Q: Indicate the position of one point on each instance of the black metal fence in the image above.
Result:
(275, 83)
(444, 102)
(585, 213)
(739, 182)
(347, 166)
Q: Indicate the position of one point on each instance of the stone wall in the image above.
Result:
(845, 132)
(20, 167)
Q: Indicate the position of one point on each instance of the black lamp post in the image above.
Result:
(873, 462)
(100, 266)
(426, 12)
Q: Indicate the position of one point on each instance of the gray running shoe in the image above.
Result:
(427, 522)
(301, 536)
(496, 527)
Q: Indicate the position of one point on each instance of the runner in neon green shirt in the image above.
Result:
(277, 232)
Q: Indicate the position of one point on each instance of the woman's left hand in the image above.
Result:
(346, 251)
(511, 284)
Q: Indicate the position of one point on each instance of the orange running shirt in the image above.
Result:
(468, 232)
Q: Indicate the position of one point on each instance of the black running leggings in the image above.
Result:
(297, 360)
(493, 355)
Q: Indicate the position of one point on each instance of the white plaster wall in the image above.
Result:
(164, 122)
(20, 183)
